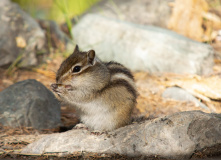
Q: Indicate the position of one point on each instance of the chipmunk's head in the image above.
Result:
(80, 71)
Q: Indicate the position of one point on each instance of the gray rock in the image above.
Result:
(29, 103)
(144, 48)
(16, 23)
(180, 94)
(144, 12)
(177, 136)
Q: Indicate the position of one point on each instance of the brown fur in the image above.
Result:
(121, 83)
(94, 83)
(67, 64)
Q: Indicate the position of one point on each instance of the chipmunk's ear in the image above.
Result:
(91, 57)
(76, 48)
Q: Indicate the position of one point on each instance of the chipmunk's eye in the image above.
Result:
(77, 69)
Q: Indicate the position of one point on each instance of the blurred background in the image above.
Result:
(55, 9)
(205, 14)
(172, 47)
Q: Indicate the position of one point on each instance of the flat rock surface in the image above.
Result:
(20, 35)
(143, 48)
(180, 94)
(29, 103)
(175, 136)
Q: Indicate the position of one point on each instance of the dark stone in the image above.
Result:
(29, 103)
(16, 24)
(205, 131)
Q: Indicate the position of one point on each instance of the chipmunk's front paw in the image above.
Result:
(80, 126)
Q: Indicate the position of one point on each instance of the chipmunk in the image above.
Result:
(103, 94)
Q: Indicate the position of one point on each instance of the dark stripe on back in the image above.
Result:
(112, 62)
(125, 71)
(115, 67)
(124, 83)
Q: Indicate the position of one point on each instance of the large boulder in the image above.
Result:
(177, 136)
(143, 48)
(146, 12)
(19, 34)
(29, 103)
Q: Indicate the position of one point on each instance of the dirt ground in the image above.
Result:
(149, 103)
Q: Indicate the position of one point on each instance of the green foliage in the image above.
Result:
(12, 67)
(58, 10)
(62, 5)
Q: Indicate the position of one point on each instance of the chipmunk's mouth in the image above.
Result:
(54, 88)
(56, 91)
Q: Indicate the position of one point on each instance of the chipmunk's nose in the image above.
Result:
(54, 86)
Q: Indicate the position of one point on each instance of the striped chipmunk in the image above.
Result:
(103, 94)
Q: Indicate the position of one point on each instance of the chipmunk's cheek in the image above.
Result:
(68, 87)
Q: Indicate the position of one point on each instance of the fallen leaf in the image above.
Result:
(20, 42)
